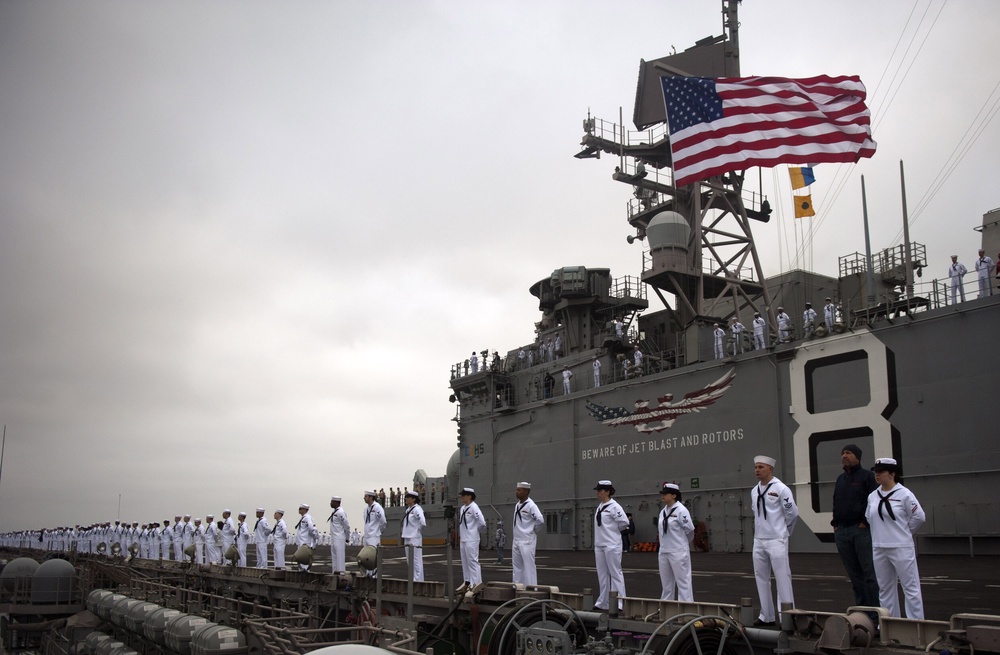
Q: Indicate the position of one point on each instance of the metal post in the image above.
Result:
(907, 261)
(378, 582)
(409, 580)
(868, 246)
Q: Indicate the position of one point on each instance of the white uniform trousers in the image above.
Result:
(892, 564)
(213, 554)
(164, 550)
(470, 562)
(609, 574)
(772, 555)
(241, 551)
(758, 341)
(199, 553)
(675, 569)
(261, 553)
(956, 290)
(522, 554)
(279, 554)
(337, 558)
(178, 550)
(418, 557)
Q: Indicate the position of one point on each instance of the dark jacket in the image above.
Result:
(850, 496)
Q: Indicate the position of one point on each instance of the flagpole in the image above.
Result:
(907, 257)
(868, 246)
(2, 447)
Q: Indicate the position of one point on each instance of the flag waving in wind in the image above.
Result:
(732, 123)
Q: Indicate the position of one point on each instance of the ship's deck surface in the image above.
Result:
(951, 583)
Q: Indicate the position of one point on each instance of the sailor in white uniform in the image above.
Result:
(411, 530)
(306, 533)
(528, 519)
(470, 523)
(340, 532)
(212, 539)
(676, 532)
(557, 347)
(228, 533)
(637, 356)
(474, 362)
(609, 521)
(759, 325)
(720, 337)
(829, 315)
(775, 514)
(894, 514)
(166, 539)
(597, 372)
(956, 272)
(242, 539)
(808, 321)
(567, 375)
(198, 538)
(374, 525)
(618, 328)
(737, 329)
(984, 266)
(261, 531)
(784, 326)
(187, 535)
(178, 539)
(279, 538)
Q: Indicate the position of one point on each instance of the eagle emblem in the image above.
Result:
(661, 417)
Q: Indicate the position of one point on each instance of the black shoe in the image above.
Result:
(764, 624)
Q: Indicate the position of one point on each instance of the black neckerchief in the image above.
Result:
(761, 506)
(884, 502)
(667, 518)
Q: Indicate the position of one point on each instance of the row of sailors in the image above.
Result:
(810, 319)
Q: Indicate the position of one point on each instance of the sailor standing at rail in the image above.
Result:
(411, 530)
(609, 521)
(374, 525)
(340, 532)
(527, 520)
(829, 315)
(720, 336)
(956, 272)
(474, 362)
(759, 325)
(470, 523)
(894, 514)
(178, 539)
(597, 372)
(199, 542)
(242, 539)
(676, 532)
(984, 266)
(166, 539)
(737, 329)
(279, 534)
(228, 533)
(212, 553)
(774, 519)
(808, 321)
(187, 534)
(306, 533)
(784, 326)
(261, 530)
(567, 375)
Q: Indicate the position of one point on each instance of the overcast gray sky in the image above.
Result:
(241, 243)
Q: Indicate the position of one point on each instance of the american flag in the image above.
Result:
(724, 124)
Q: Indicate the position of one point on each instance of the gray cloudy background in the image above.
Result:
(241, 243)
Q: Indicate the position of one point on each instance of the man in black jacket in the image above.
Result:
(851, 531)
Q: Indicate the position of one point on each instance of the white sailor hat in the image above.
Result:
(467, 491)
(604, 484)
(303, 505)
(226, 511)
(523, 485)
(764, 459)
(335, 498)
(260, 509)
(242, 514)
(279, 511)
(210, 516)
(670, 488)
(370, 492)
(885, 464)
(187, 516)
(197, 519)
(412, 494)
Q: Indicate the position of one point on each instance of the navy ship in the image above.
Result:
(650, 398)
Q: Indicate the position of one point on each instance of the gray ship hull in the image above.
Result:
(919, 388)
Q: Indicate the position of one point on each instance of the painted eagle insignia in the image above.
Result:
(661, 417)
